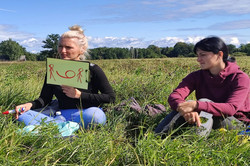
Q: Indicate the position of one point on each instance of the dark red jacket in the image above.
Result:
(230, 92)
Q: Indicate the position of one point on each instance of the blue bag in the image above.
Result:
(245, 132)
(66, 129)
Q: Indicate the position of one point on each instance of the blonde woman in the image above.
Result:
(72, 45)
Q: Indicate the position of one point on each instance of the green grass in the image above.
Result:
(128, 137)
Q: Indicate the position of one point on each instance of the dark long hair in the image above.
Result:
(214, 44)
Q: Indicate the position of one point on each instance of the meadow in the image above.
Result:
(128, 137)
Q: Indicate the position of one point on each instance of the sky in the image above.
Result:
(125, 23)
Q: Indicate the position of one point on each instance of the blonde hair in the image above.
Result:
(76, 31)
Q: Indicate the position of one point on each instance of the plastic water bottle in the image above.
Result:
(59, 118)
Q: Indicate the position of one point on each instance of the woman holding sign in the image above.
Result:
(222, 90)
(73, 103)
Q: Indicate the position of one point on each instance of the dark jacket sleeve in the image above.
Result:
(238, 99)
(99, 83)
(184, 89)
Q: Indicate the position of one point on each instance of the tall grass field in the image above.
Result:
(128, 137)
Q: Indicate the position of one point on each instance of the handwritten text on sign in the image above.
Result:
(67, 72)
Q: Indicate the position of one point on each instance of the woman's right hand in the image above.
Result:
(187, 106)
(26, 106)
(192, 117)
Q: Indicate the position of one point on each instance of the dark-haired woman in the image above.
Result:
(221, 89)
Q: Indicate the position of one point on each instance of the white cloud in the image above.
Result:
(162, 10)
(10, 32)
(231, 25)
(25, 39)
(7, 10)
(214, 6)
(32, 44)
(126, 42)
(171, 41)
(29, 42)
(235, 41)
(167, 41)
(232, 40)
(193, 40)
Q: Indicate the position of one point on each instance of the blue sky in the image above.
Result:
(125, 23)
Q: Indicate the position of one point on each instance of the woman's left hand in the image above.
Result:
(71, 92)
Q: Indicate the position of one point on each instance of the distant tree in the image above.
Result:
(132, 52)
(167, 51)
(11, 50)
(231, 48)
(191, 48)
(109, 53)
(182, 49)
(140, 52)
(50, 44)
(94, 53)
(239, 54)
(247, 49)
(123, 53)
(136, 53)
(155, 49)
(31, 56)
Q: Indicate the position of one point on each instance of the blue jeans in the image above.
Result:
(92, 115)
(174, 118)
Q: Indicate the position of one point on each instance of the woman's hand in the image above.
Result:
(192, 117)
(26, 107)
(71, 92)
(187, 106)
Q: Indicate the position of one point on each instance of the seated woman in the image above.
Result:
(72, 102)
(221, 89)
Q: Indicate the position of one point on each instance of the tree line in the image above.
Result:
(11, 50)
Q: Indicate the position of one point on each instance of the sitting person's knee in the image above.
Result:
(93, 115)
